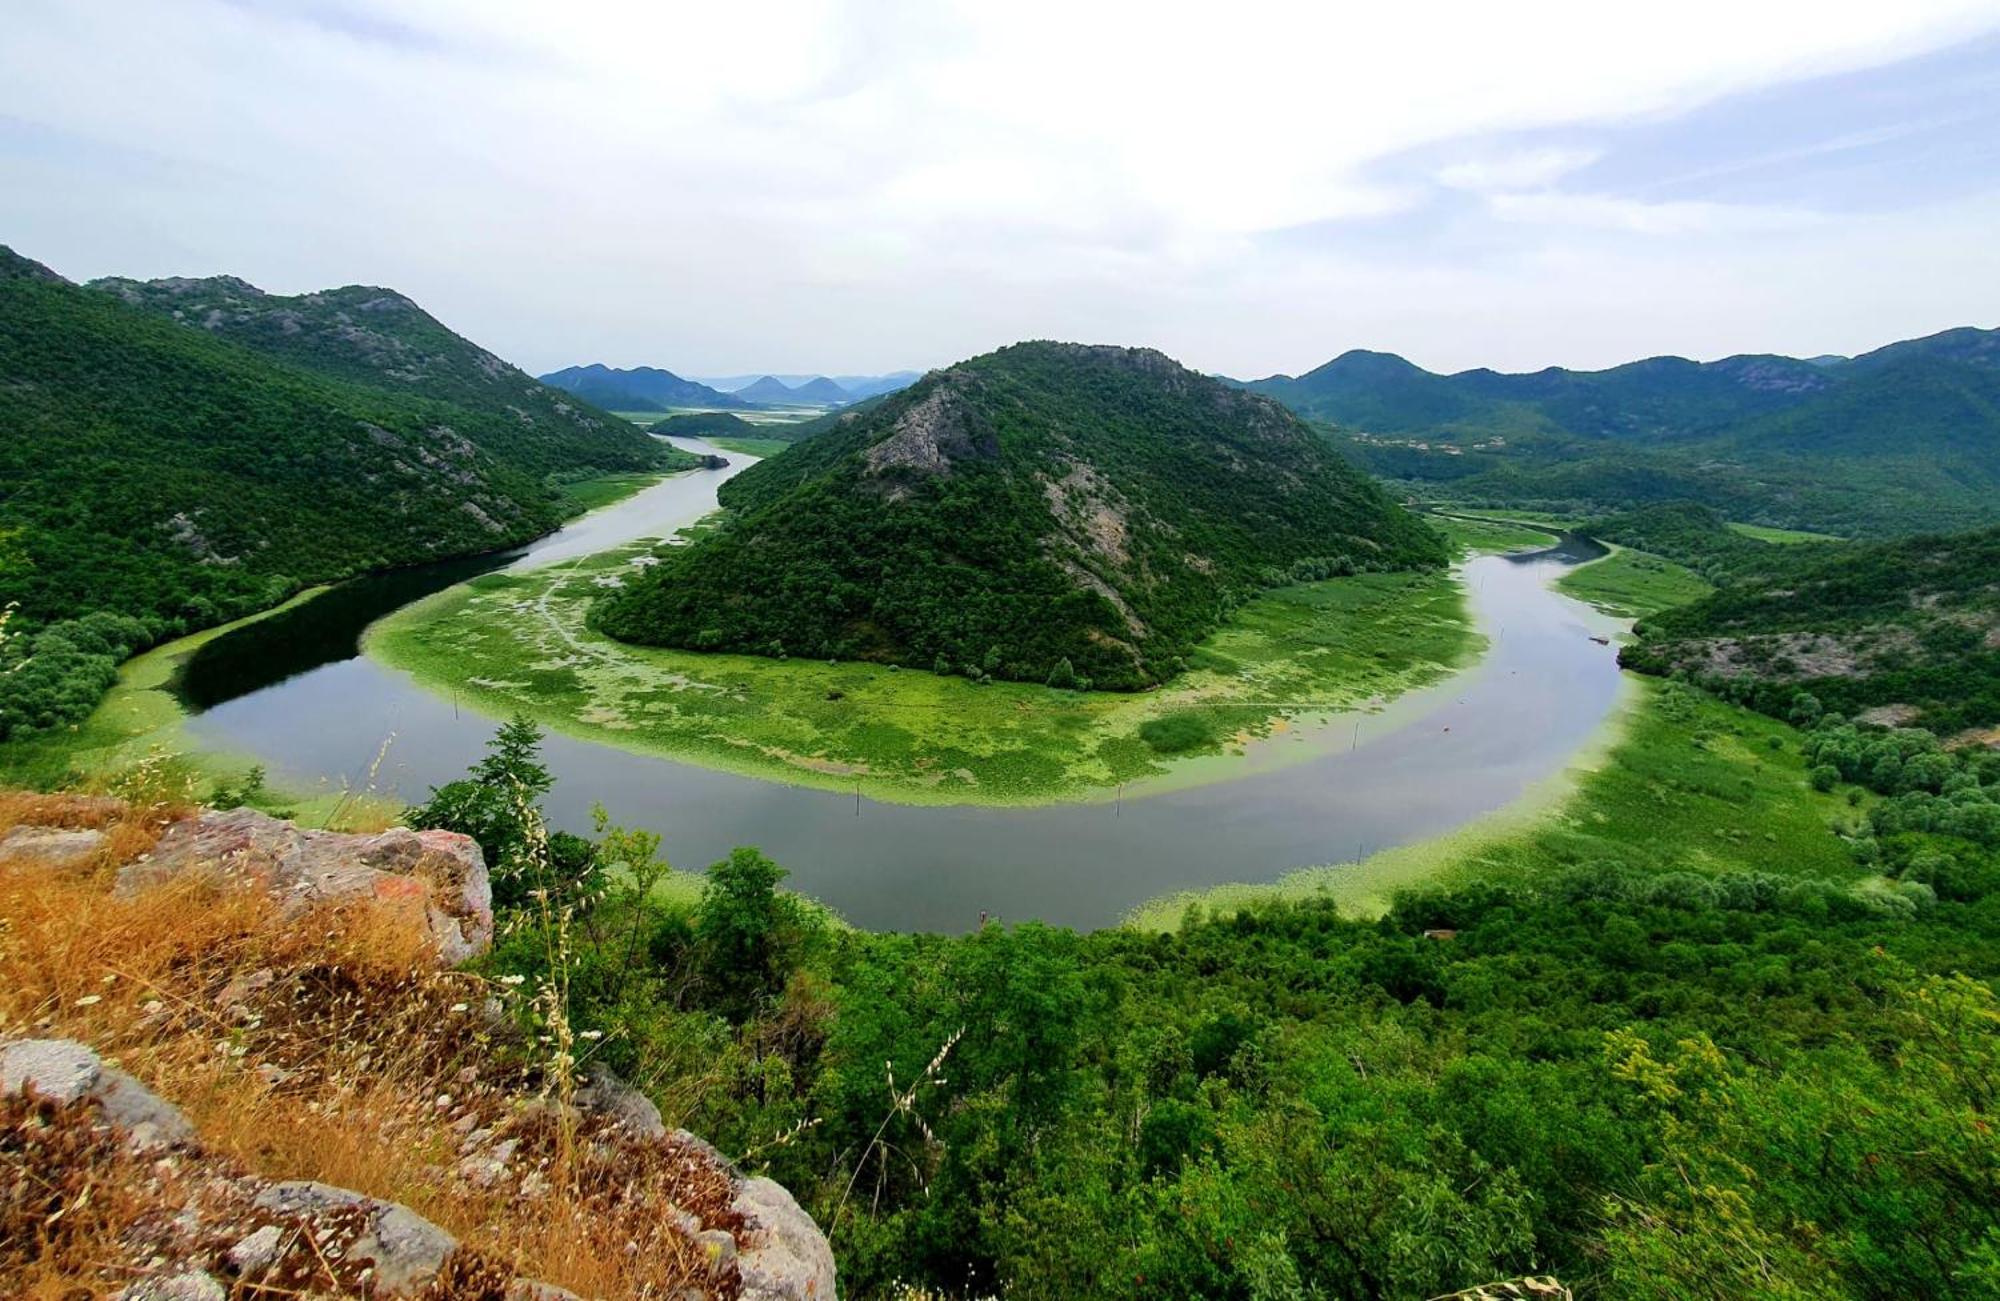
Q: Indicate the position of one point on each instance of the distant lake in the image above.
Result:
(294, 690)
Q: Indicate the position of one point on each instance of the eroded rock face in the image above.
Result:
(937, 431)
(442, 870)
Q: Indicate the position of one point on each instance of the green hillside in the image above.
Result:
(380, 338)
(159, 478)
(1043, 510)
(1907, 436)
(704, 424)
(1910, 627)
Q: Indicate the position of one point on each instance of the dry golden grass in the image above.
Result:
(328, 1047)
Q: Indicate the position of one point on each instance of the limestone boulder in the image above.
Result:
(405, 1250)
(442, 871)
(787, 1258)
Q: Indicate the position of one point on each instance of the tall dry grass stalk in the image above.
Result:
(902, 1103)
(329, 1047)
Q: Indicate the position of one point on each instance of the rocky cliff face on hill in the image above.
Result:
(1047, 505)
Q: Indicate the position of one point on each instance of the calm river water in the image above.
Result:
(294, 691)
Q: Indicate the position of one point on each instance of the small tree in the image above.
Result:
(750, 934)
(488, 805)
(1063, 675)
(991, 664)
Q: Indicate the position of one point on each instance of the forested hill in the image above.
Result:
(1905, 437)
(1910, 628)
(157, 478)
(1043, 511)
(380, 338)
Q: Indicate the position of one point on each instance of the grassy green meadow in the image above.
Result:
(1632, 584)
(519, 641)
(750, 446)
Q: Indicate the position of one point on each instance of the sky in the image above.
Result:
(854, 186)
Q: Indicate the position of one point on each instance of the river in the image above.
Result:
(295, 691)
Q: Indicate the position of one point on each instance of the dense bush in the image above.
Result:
(53, 677)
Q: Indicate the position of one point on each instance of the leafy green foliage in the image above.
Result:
(55, 675)
(1358, 1108)
(1914, 623)
(493, 804)
(750, 936)
(1042, 503)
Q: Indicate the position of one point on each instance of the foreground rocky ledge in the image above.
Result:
(198, 1224)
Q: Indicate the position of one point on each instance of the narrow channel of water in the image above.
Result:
(1436, 760)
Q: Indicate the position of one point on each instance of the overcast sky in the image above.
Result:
(852, 186)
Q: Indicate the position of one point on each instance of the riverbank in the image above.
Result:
(136, 735)
(141, 720)
(1676, 781)
(519, 641)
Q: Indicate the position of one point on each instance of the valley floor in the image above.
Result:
(519, 642)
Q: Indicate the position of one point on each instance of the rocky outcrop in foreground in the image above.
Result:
(441, 870)
(787, 1258)
(236, 1231)
(420, 1064)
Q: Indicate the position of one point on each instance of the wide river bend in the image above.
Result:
(294, 691)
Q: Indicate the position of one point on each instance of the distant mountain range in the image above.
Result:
(851, 388)
(1903, 437)
(642, 388)
(647, 388)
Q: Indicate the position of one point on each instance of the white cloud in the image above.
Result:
(1521, 170)
(1606, 212)
(858, 184)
